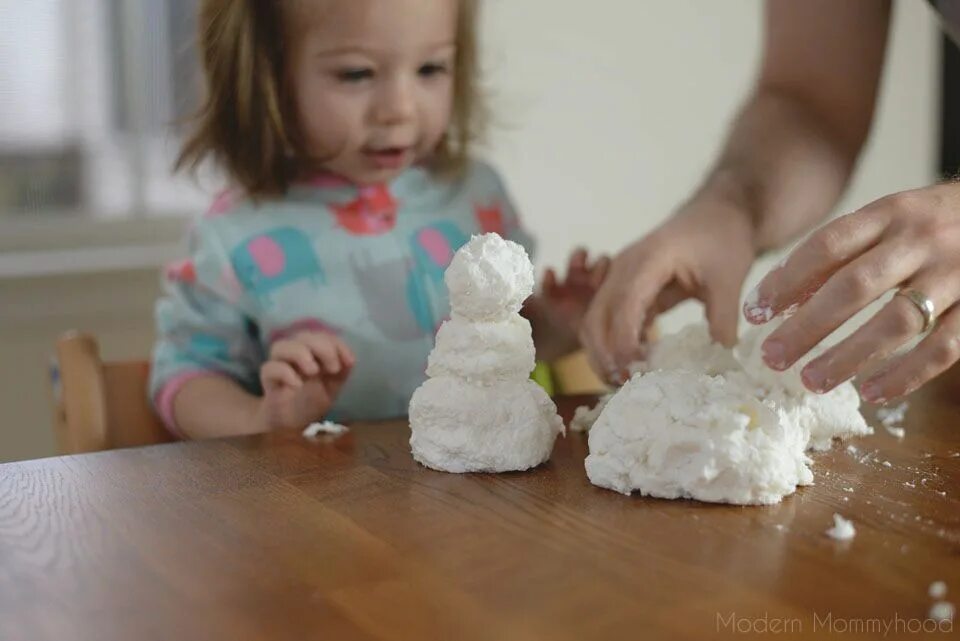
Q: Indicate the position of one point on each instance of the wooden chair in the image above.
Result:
(97, 405)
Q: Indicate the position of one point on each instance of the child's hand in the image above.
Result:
(565, 301)
(557, 310)
(302, 379)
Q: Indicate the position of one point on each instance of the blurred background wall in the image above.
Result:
(608, 114)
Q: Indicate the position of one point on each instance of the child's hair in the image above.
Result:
(247, 122)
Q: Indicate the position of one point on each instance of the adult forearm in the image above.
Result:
(782, 166)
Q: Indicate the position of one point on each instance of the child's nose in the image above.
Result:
(396, 103)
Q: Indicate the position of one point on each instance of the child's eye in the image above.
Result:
(432, 69)
(354, 75)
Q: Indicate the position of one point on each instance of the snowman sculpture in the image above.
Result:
(479, 411)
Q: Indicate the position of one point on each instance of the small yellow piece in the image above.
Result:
(543, 377)
(752, 413)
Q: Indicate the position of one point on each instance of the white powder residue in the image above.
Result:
(842, 529)
(326, 427)
(756, 312)
(585, 416)
(892, 415)
(479, 411)
(938, 590)
(691, 349)
(942, 611)
(835, 414)
(897, 432)
(701, 421)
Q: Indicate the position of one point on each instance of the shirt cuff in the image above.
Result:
(163, 400)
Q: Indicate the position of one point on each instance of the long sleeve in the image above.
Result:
(201, 325)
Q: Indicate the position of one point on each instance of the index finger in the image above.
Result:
(809, 266)
(628, 319)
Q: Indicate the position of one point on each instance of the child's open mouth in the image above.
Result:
(388, 157)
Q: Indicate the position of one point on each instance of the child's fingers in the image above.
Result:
(599, 271)
(346, 354)
(324, 349)
(578, 260)
(333, 385)
(549, 280)
(296, 353)
(277, 374)
(578, 271)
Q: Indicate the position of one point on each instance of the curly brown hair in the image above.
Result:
(247, 122)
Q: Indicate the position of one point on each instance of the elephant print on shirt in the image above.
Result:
(208, 348)
(270, 261)
(383, 290)
(374, 212)
(181, 271)
(433, 249)
(490, 219)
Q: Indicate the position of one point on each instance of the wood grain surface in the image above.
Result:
(280, 537)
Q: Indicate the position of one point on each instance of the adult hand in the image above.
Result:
(702, 252)
(908, 240)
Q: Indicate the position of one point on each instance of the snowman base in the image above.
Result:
(459, 427)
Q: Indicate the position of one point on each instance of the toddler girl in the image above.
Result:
(314, 285)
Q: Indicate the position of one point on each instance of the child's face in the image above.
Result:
(373, 83)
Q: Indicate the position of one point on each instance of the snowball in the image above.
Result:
(489, 278)
(482, 352)
(690, 349)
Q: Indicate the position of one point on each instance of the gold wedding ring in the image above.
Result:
(922, 303)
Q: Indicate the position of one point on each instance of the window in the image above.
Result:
(91, 94)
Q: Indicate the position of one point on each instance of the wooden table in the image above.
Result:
(279, 537)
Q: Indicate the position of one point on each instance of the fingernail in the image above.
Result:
(870, 391)
(755, 310)
(615, 376)
(814, 380)
(774, 354)
(758, 314)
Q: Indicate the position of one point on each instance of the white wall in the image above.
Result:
(612, 110)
